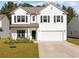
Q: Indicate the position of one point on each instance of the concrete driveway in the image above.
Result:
(58, 50)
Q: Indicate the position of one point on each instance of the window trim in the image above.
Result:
(22, 20)
(19, 18)
(20, 33)
(33, 18)
(42, 19)
(56, 19)
(45, 19)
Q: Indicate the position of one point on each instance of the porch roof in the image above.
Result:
(32, 25)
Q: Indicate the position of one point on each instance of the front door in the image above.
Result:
(20, 33)
(33, 34)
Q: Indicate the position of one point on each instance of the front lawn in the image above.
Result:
(74, 40)
(22, 50)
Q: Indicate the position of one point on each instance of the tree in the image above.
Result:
(38, 6)
(64, 7)
(25, 5)
(7, 8)
(10, 6)
(71, 14)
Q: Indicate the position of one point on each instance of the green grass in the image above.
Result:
(22, 50)
(74, 40)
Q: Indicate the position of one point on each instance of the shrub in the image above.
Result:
(9, 40)
(24, 41)
(12, 41)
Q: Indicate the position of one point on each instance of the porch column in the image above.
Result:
(29, 34)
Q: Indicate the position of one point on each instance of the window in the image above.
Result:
(18, 19)
(45, 19)
(58, 19)
(14, 18)
(33, 18)
(23, 18)
(20, 33)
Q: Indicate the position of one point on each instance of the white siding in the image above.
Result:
(52, 36)
(52, 25)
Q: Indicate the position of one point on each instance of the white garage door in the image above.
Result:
(50, 36)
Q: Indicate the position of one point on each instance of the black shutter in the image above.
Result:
(54, 19)
(48, 19)
(41, 19)
(61, 18)
(15, 19)
(26, 19)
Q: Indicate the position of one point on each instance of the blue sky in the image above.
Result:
(74, 4)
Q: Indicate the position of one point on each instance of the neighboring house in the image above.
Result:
(40, 23)
(4, 26)
(73, 27)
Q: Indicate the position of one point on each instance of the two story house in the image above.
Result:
(39, 23)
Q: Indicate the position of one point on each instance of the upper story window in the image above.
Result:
(33, 18)
(21, 18)
(18, 19)
(58, 19)
(45, 19)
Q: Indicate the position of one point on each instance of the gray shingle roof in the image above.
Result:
(33, 10)
(32, 25)
(36, 10)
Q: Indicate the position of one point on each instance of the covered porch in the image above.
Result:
(23, 32)
(28, 33)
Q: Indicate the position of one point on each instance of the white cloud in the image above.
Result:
(35, 4)
(72, 3)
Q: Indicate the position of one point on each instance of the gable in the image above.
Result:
(51, 9)
(19, 11)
